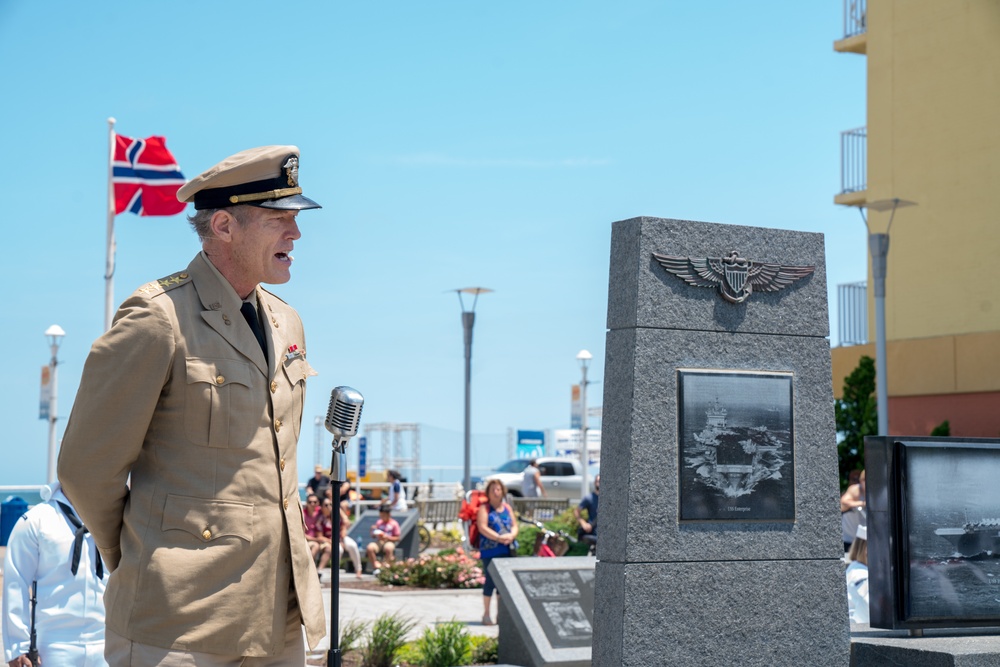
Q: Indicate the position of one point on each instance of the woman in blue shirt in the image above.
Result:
(497, 536)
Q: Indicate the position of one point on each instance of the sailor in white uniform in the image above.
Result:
(50, 546)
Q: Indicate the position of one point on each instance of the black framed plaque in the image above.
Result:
(563, 602)
(546, 614)
(736, 445)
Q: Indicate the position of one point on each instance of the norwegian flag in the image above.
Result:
(146, 177)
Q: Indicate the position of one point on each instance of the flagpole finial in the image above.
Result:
(111, 121)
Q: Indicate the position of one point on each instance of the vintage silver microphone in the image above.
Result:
(342, 419)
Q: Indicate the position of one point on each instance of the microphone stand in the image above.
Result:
(338, 470)
(33, 644)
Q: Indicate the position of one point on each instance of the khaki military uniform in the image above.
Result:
(208, 544)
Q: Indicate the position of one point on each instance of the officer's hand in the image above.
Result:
(22, 661)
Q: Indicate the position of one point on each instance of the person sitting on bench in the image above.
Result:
(386, 533)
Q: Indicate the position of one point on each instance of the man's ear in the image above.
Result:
(222, 224)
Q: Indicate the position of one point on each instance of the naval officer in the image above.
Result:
(180, 450)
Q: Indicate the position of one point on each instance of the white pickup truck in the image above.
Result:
(561, 476)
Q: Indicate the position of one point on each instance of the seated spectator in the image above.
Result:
(347, 495)
(319, 482)
(348, 543)
(325, 524)
(397, 494)
(312, 517)
(386, 533)
(857, 577)
(587, 530)
(853, 510)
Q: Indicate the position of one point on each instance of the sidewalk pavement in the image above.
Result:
(427, 608)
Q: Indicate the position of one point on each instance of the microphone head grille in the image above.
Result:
(344, 413)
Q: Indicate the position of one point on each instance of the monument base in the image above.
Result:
(979, 647)
(767, 613)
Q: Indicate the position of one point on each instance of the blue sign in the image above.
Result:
(530, 444)
(536, 438)
(362, 456)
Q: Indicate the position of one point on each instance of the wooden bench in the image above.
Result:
(436, 512)
(540, 509)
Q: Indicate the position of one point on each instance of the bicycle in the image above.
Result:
(424, 534)
(549, 543)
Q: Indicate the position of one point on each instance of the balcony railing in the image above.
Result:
(854, 160)
(852, 313)
(855, 17)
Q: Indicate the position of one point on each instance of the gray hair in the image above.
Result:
(201, 221)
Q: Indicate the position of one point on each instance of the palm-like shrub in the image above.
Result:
(388, 636)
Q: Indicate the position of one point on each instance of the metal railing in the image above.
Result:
(539, 509)
(854, 160)
(438, 512)
(855, 17)
(852, 313)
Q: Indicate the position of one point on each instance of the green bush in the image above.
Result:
(388, 636)
(351, 634)
(408, 654)
(448, 569)
(449, 536)
(942, 430)
(484, 650)
(446, 645)
(856, 415)
(526, 534)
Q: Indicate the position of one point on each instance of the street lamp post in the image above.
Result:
(55, 335)
(878, 247)
(584, 357)
(468, 320)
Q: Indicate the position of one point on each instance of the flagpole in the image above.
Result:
(109, 272)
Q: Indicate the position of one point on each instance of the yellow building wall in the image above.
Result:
(929, 366)
(934, 138)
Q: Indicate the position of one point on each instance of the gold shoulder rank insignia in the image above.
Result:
(164, 284)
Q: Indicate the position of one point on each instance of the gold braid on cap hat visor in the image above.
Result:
(270, 194)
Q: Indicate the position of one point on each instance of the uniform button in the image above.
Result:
(225, 318)
(207, 534)
(281, 464)
(285, 503)
(219, 379)
(274, 386)
(183, 276)
(277, 425)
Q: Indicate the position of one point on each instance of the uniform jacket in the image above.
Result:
(207, 538)
(69, 620)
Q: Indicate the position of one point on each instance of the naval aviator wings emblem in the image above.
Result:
(736, 277)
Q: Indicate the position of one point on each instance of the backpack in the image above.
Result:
(469, 512)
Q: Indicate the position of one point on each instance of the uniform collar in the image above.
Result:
(221, 311)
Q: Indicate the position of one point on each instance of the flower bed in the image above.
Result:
(451, 568)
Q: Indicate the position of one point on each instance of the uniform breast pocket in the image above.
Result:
(297, 369)
(220, 407)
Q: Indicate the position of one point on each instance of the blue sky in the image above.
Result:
(451, 144)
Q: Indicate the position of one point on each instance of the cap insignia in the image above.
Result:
(291, 168)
